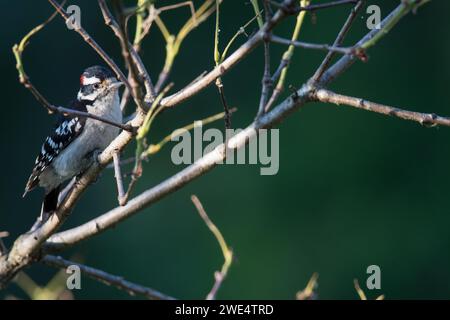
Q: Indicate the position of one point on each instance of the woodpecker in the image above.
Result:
(75, 142)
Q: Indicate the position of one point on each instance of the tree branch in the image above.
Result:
(106, 278)
(89, 40)
(266, 81)
(201, 166)
(208, 161)
(306, 45)
(18, 50)
(67, 111)
(134, 63)
(219, 276)
(26, 248)
(119, 180)
(281, 72)
(338, 42)
(345, 62)
(295, 9)
(426, 119)
(228, 63)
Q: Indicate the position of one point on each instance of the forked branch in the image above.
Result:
(34, 245)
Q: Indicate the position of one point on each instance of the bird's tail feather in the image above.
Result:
(50, 203)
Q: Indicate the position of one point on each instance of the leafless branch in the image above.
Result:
(347, 61)
(106, 278)
(309, 293)
(426, 119)
(294, 9)
(119, 179)
(134, 63)
(223, 99)
(67, 111)
(18, 50)
(281, 72)
(266, 81)
(219, 276)
(227, 64)
(306, 45)
(89, 40)
(208, 161)
(338, 42)
(360, 292)
(33, 245)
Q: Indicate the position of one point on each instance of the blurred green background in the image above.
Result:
(353, 189)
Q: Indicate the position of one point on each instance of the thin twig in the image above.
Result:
(369, 39)
(174, 42)
(67, 111)
(140, 142)
(125, 99)
(217, 60)
(134, 63)
(404, 8)
(266, 81)
(106, 278)
(134, 178)
(89, 40)
(281, 72)
(133, 77)
(240, 31)
(71, 112)
(142, 25)
(119, 179)
(155, 148)
(426, 119)
(18, 50)
(360, 292)
(219, 276)
(313, 7)
(313, 46)
(150, 92)
(227, 64)
(142, 29)
(255, 5)
(338, 42)
(309, 293)
(223, 99)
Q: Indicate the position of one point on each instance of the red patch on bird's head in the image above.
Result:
(81, 80)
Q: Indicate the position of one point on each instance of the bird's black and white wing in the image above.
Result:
(65, 131)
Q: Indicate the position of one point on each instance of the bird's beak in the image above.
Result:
(115, 84)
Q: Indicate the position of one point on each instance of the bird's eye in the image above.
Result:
(97, 86)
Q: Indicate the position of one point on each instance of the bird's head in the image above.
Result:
(97, 82)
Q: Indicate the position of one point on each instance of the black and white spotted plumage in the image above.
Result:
(66, 130)
(72, 146)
